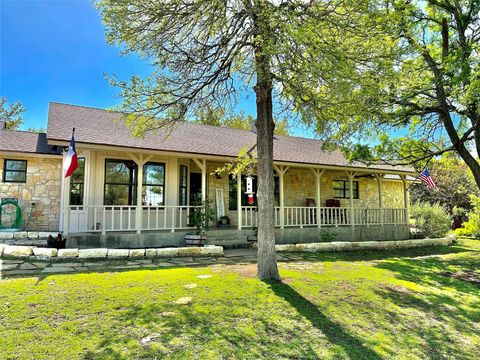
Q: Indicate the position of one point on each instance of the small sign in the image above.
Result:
(220, 204)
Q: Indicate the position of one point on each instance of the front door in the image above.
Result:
(195, 188)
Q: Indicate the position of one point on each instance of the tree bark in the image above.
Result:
(267, 258)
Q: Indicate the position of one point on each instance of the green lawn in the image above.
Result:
(360, 305)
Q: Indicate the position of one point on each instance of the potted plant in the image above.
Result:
(224, 221)
(200, 218)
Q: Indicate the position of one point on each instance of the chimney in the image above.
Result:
(3, 124)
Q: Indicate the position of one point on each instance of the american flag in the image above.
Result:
(427, 178)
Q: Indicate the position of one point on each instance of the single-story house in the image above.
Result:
(140, 191)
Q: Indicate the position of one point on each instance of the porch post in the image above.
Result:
(281, 170)
(203, 166)
(406, 200)
(318, 174)
(140, 161)
(379, 178)
(65, 201)
(239, 201)
(139, 212)
(351, 176)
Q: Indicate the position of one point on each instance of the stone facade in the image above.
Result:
(40, 195)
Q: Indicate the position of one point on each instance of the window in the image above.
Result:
(233, 192)
(15, 171)
(182, 193)
(153, 184)
(120, 182)
(341, 189)
(77, 183)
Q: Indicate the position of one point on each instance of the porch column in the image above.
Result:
(379, 178)
(406, 199)
(318, 174)
(140, 160)
(239, 201)
(351, 176)
(65, 201)
(202, 164)
(281, 170)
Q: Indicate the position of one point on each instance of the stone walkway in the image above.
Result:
(25, 267)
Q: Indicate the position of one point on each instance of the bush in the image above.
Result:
(431, 221)
(472, 226)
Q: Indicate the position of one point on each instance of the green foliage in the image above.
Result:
(11, 114)
(472, 226)
(429, 220)
(454, 182)
(201, 216)
(328, 236)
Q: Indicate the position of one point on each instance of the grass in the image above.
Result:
(362, 305)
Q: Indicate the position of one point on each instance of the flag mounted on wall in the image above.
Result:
(427, 179)
(71, 161)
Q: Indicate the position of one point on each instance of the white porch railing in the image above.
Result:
(300, 216)
(102, 218)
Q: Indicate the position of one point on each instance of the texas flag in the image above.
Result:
(71, 161)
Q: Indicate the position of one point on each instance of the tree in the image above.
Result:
(204, 51)
(420, 99)
(11, 114)
(454, 182)
(219, 117)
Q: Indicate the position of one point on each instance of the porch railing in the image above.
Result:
(102, 219)
(328, 216)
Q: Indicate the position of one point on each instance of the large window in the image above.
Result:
(182, 191)
(153, 184)
(120, 182)
(341, 189)
(233, 192)
(77, 183)
(15, 171)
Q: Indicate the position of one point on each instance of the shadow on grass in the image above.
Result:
(335, 334)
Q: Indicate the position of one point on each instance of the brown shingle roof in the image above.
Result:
(27, 142)
(98, 126)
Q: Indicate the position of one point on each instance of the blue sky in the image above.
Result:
(55, 50)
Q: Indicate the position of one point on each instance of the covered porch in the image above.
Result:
(108, 194)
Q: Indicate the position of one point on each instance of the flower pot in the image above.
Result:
(195, 240)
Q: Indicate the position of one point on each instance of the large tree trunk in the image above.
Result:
(267, 258)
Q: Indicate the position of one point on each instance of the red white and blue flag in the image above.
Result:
(427, 178)
(71, 160)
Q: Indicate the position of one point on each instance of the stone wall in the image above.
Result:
(40, 195)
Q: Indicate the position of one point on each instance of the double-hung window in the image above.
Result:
(182, 191)
(77, 183)
(120, 182)
(153, 184)
(15, 171)
(341, 189)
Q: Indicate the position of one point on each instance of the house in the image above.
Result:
(132, 192)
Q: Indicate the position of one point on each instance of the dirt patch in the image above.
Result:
(468, 275)
(247, 271)
(401, 290)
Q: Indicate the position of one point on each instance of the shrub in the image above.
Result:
(472, 226)
(431, 221)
